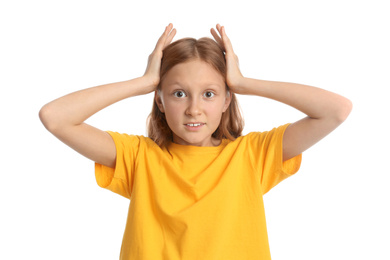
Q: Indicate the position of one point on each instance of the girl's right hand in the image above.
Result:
(65, 116)
(152, 73)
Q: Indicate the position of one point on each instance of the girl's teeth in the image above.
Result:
(193, 124)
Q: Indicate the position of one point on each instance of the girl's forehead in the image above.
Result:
(195, 72)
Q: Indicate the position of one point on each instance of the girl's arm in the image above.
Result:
(325, 110)
(65, 116)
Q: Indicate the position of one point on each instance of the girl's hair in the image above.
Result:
(183, 50)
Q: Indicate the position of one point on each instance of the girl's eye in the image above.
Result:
(179, 94)
(209, 94)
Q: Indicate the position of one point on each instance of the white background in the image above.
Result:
(335, 207)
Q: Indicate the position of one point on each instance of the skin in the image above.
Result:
(325, 110)
(65, 116)
(193, 92)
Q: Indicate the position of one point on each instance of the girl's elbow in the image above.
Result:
(47, 118)
(344, 110)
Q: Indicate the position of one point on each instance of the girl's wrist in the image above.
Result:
(239, 86)
(149, 84)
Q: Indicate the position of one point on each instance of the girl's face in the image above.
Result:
(193, 97)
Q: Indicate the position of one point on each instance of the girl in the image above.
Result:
(195, 183)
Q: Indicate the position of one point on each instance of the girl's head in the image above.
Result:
(193, 105)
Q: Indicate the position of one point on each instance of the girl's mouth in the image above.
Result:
(194, 126)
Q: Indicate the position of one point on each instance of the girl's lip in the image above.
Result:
(195, 126)
(194, 123)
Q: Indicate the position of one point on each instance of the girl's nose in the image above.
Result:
(193, 108)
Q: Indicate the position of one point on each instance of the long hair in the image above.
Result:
(186, 49)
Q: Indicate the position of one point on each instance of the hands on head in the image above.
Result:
(154, 61)
(233, 75)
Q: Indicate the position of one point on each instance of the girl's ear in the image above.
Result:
(159, 103)
(227, 100)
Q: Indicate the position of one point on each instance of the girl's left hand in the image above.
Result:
(234, 77)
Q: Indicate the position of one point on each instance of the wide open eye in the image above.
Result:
(179, 94)
(208, 94)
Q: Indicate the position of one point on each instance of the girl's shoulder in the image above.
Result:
(132, 140)
(261, 136)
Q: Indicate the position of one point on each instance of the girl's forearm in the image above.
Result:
(315, 102)
(75, 108)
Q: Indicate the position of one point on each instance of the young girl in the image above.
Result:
(195, 184)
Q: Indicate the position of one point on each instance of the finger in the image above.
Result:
(217, 38)
(215, 35)
(161, 40)
(219, 29)
(226, 40)
(170, 37)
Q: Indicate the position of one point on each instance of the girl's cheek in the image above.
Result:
(175, 106)
(173, 109)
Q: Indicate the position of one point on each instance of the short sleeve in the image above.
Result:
(120, 178)
(266, 151)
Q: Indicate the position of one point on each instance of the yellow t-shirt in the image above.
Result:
(190, 202)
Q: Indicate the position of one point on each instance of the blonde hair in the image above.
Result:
(183, 50)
